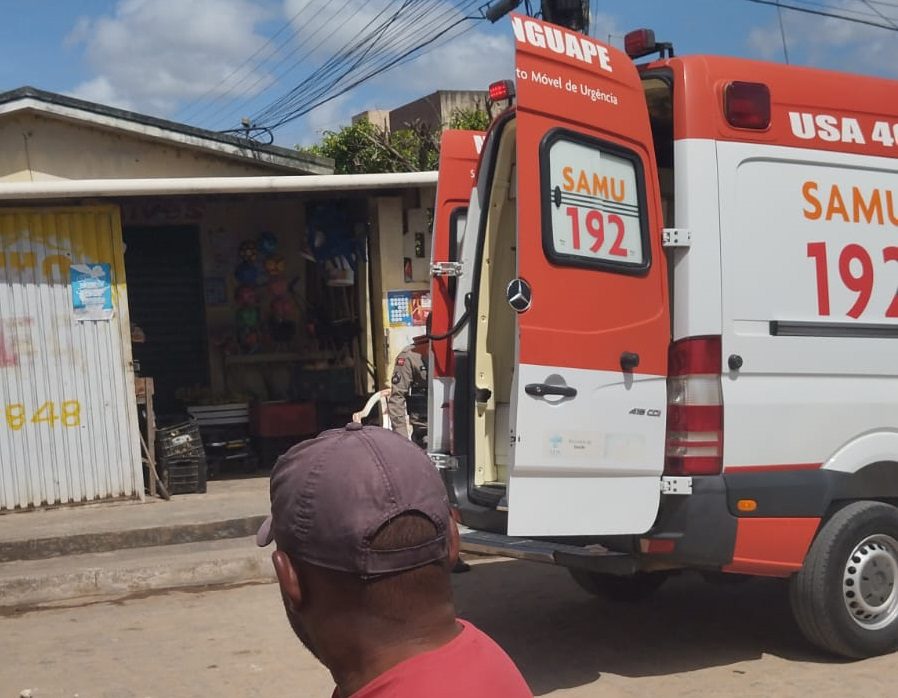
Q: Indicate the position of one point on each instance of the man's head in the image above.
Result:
(364, 534)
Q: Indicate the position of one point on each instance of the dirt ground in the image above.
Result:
(691, 639)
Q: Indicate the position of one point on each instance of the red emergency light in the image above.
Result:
(502, 90)
(747, 105)
(641, 42)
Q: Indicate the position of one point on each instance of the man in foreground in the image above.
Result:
(365, 542)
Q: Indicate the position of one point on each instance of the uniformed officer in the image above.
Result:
(408, 392)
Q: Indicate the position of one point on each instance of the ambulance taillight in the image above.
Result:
(747, 105)
(694, 408)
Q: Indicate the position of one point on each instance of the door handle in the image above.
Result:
(629, 360)
(482, 395)
(541, 389)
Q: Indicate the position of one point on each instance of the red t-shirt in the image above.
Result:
(469, 665)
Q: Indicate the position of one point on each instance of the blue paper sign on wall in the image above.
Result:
(92, 291)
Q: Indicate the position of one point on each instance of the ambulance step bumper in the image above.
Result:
(594, 558)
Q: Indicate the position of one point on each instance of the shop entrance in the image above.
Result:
(165, 293)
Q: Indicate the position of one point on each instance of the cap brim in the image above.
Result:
(265, 534)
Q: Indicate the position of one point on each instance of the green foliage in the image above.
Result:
(365, 148)
(470, 120)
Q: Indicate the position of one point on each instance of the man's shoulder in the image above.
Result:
(471, 665)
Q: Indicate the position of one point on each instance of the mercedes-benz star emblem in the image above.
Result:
(519, 295)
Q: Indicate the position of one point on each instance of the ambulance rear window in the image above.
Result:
(593, 204)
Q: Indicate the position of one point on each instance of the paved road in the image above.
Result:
(691, 639)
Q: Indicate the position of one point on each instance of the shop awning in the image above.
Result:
(182, 186)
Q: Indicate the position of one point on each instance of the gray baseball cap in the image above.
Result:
(332, 494)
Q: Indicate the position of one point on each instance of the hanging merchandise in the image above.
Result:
(267, 243)
(332, 242)
(248, 251)
(275, 266)
(248, 318)
(277, 287)
(247, 274)
(245, 296)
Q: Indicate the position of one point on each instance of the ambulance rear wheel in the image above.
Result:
(629, 589)
(845, 598)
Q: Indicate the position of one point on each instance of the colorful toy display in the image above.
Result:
(248, 251)
(261, 270)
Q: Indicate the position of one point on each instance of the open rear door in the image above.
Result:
(589, 396)
(459, 152)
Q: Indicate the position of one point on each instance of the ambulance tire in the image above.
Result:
(845, 597)
(628, 589)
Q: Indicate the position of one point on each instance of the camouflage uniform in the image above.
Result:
(408, 395)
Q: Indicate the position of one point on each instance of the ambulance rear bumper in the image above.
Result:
(595, 558)
(698, 529)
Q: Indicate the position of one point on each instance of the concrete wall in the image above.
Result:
(436, 109)
(378, 117)
(34, 147)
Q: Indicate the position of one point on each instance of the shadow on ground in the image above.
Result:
(561, 637)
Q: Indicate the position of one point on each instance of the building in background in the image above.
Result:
(434, 111)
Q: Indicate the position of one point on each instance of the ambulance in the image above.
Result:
(674, 328)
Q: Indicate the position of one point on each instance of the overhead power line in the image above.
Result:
(277, 71)
(824, 13)
(887, 19)
(414, 28)
(183, 112)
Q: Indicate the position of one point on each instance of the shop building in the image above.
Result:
(228, 272)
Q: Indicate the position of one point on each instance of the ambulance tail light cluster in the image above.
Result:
(747, 105)
(694, 408)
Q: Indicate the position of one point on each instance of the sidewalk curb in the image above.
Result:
(129, 571)
(176, 534)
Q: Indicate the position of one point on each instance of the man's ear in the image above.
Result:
(287, 578)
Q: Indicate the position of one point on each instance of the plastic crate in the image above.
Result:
(179, 440)
(284, 419)
(184, 475)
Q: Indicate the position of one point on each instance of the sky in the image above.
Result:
(210, 62)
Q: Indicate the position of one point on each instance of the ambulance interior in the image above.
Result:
(496, 334)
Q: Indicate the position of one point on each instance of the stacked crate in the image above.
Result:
(225, 432)
(181, 459)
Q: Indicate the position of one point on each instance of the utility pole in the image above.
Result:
(573, 14)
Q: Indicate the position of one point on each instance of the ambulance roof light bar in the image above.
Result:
(641, 42)
(495, 11)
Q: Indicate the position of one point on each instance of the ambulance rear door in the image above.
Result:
(459, 152)
(588, 405)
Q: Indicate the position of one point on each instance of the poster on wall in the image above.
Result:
(408, 308)
(91, 291)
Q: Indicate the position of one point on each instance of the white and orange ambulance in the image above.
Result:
(682, 345)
